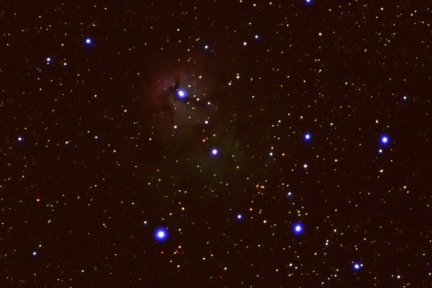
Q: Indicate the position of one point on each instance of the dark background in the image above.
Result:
(73, 207)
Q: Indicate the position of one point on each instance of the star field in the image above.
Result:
(216, 144)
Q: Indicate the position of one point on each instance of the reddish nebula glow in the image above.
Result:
(167, 111)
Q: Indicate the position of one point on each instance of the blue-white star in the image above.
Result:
(214, 152)
(88, 41)
(357, 266)
(181, 94)
(298, 228)
(161, 234)
(385, 139)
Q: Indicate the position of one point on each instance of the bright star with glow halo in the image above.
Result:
(161, 234)
(88, 41)
(357, 266)
(181, 94)
(384, 139)
(298, 228)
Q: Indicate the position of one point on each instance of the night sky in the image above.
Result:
(215, 143)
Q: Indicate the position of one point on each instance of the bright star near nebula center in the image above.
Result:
(181, 94)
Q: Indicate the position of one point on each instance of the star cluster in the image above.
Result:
(216, 144)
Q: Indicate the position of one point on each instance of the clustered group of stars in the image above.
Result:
(161, 234)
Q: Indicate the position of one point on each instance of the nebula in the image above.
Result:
(179, 98)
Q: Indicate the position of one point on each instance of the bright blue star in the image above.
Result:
(48, 60)
(239, 216)
(308, 1)
(307, 137)
(20, 139)
(384, 139)
(298, 228)
(88, 41)
(181, 93)
(161, 234)
(357, 266)
(214, 152)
